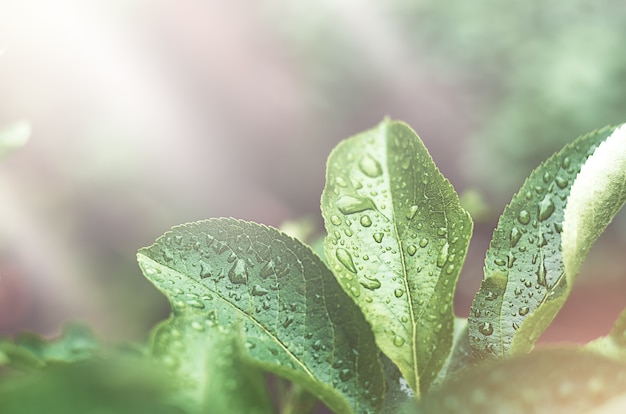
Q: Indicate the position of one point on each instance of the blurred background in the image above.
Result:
(147, 114)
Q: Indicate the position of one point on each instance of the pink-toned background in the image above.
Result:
(148, 114)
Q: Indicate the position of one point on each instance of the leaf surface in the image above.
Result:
(209, 363)
(296, 320)
(541, 240)
(556, 380)
(397, 238)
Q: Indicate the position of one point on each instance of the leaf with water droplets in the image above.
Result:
(557, 380)
(396, 243)
(293, 313)
(541, 240)
(211, 370)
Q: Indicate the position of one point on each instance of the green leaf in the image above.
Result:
(614, 344)
(117, 385)
(297, 321)
(558, 380)
(207, 360)
(397, 237)
(30, 350)
(541, 240)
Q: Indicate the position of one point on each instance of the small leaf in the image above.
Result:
(295, 317)
(212, 374)
(30, 350)
(559, 380)
(397, 237)
(541, 240)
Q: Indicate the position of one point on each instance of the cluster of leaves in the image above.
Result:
(367, 325)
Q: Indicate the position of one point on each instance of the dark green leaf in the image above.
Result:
(541, 240)
(397, 237)
(296, 319)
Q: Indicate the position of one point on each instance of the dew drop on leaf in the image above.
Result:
(366, 221)
(546, 208)
(423, 243)
(523, 311)
(523, 217)
(335, 220)
(515, 236)
(411, 250)
(238, 274)
(378, 237)
(370, 167)
(566, 162)
(345, 259)
(350, 205)
(442, 257)
(370, 283)
(194, 303)
(398, 340)
(411, 212)
(485, 328)
(561, 182)
(197, 326)
(398, 293)
(258, 290)
(355, 291)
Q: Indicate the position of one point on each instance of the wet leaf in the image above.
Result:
(541, 240)
(397, 238)
(296, 320)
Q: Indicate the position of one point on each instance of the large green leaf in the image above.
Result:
(397, 238)
(296, 319)
(541, 240)
(207, 359)
(560, 380)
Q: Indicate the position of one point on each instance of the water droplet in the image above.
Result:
(546, 208)
(485, 328)
(378, 237)
(350, 205)
(541, 274)
(515, 236)
(370, 167)
(288, 321)
(491, 295)
(398, 340)
(345, 259)
(411, 250)
(566, 162)
(194, 303)
(341, 182)
(348, 232)
(150, 271)
(442, 257)
(523, 217)
(366, 221)
(423, 243)
(411, 213)
(398, 293)
(258, 290)
(558, 227)
(561, 182)
(370, 283)
(356, 292)
(442, 231)
(523, 311)
(238, 274)
(450, 268)
(335, 220)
